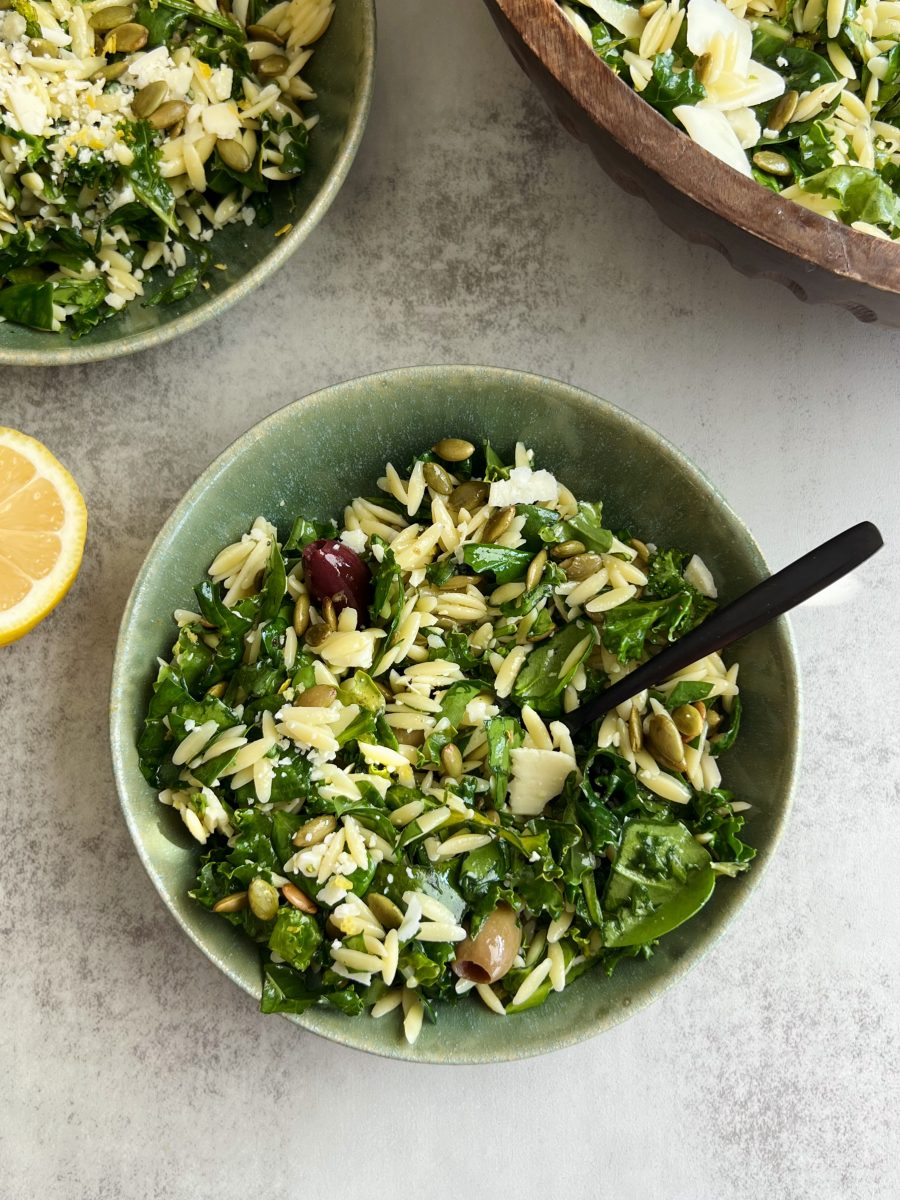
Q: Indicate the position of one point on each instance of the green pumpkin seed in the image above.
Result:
(774, 164)
(217, 690)
(455, 582)
(261, 33)
(149, 98)
(453, 449)
(297, 899)
(635, 730)
(437, 479)
(263, 898)
(535, 570)
(595, 659)
(499, 523)
(701, 67)
(319, 696)
(688, 721)
(568, 550)
(385, 910)
(451, 761)
(301, 615)
(113, 71)
(782, 112)
(328, 613)
(272, 67)
(125, 39)
(233, 903)
(168, 114)
(233, 154)
(110, 18)
(41, 48)
(317, 634)
(641, 547)
(314, 831)
(470, 495)
(665, 741)
(582, 566)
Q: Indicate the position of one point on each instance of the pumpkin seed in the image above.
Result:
(263, 898)
(499, 523)
(568, 549)
(261, 33)
(301, 615)
(168, 114)
(272, 67)
(595, 659)
(328, 613)
(113, 70)
(149, 98)
(110, 18)
(665, 741)
(128, 38)
(451, 761)
(635, 730)
(582, 566)
(701, 708)
(410, 737)
(783, 111)
(437, 478)
(233, 154)
(318, 696)
(453, 449)
(233, 903)
(385, 910)
(701, 67)
(217, 689)
(314, 831)
(317, 634)
(641, 547)
(41, 48)
(470, 495)
(688, 721)
(774, 164)
(493, 816)
(713, 718)
(535, 570)
(297, 899)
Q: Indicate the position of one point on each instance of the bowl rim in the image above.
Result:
(67, 353)
(624, 116)
(119, 733)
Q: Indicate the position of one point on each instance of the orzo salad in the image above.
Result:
(803, 95)
(363, 723)
(132, 130)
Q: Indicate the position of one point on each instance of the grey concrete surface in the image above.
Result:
(471, 229)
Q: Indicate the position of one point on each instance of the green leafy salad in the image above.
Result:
(804, 95)
(132, 130)
(363, 723)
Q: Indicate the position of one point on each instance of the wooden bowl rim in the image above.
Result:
(829, 245)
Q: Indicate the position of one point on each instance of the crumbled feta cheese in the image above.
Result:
(524, 486)
(355, 539)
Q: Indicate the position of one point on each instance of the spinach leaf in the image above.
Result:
(30, 13)
(305, 531)
(143, 173)
(661, 878)
(493, 465)
(504, 734)
(726, 735)
(862, 193)
(274, 586)
(542, 680)
(587, 524)
(504, 564)
(184, 284)
(29, 304)
(687, 692)
(286, 991)
(295, 938)
(161, 22)
(712, 814)
(815, 148)
(670, 86)
(627, 627)
(188, 9)
(804, 72)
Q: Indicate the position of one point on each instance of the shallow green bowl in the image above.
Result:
(341, 72)
(315, 454)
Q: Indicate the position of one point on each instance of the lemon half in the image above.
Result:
(43, 523)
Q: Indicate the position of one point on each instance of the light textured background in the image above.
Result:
(472, 229)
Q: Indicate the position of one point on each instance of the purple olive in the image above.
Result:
(335, 571)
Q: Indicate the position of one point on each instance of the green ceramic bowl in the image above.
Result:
(314, 454)
(341, 71)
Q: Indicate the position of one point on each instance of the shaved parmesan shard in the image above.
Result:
(524, 486)
(698, 575)
(620, 16)
(710, 129)
(707, 20)
(27, 108)
(537, 776)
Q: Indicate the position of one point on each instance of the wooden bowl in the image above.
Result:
(695, 194)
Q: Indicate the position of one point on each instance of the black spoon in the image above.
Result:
(762, 604)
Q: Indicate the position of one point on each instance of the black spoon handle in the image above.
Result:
(762, 604)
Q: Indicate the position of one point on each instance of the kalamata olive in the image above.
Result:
(487, 957)
(335, 571)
